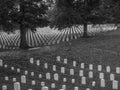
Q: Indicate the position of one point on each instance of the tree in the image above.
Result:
(69, 13)
(23, 15)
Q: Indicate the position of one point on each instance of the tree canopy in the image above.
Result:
(68, 13)
(22, 15)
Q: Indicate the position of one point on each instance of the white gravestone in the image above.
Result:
(102, 82)
(90, 74)
(48, 76)
(71, 71)
(45, 88)
(82, 65)
(65, 61)
(63, 70)
(40, 75)
(33, 82)
(90, 67)
(83, 80)
(108, 68)
(12, 68)
(118, 70)
(17, 86)
(42, 84)
(45, 65)
(1, 62)
(81, 73)
(26, 72)
(4, 87)
(38, 62)
(99, 67)
(23, 79)
(112, 77)
(58, 58)
(101, 75)
(74, 64)
(14, 79)
(64, 87)
(115, 84)
(76, 88)
(31, 60)
(6, 78)
(56, 77)
(64, 79)
(52, 85)
(54, 67)
(32, 74)
(5, 65)
(73, 81)
(93, 83)
(18, 70)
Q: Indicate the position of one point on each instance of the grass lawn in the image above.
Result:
(102, 49)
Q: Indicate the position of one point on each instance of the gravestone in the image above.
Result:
(71, 71)
(33, 82)
(93, 83)
(87, 88)
(65, 61)
(74, 64)
(6, 78)
(99, 67)
(52, 85)
(17, 86)
(23, 79)
(76, 88)
(31, 60)
(4, 87)
(112, 77)
(73, 80)
(5, 65)
(64, 87)
(18, 70)
(118, 70)
(101, 75)
(45, 88)
(81, 73)
(54, 67)
(32, 74)
(102, 82)
(42, 84)
(56, 77)
(90, 74)
(1, 62)
(45, 65)
(90, 67)
(58, 58)
(48, 76)
(108, 68)
(14, 79)
(64, 79)
(115, 84)
(38, 62)
(40, 75)
(82, 65)
(83, 80)
(26, 72)
(63, 70)
(12, 68)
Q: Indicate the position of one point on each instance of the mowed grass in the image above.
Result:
(101, 49)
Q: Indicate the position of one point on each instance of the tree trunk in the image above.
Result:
(85, 34)
(23, 41)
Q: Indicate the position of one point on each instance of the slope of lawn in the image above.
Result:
(103, 48)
